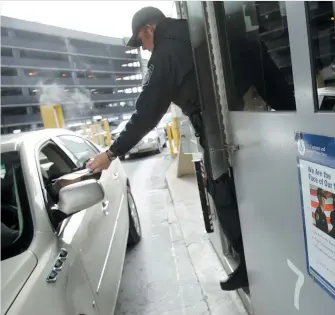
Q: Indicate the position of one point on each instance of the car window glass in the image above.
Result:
(80, 149)
(53, 163)
(256, 55)
(328, 103)
(3, 171)
(121, 126)
(16, 224)
(320, 16)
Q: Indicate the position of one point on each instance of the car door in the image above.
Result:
(282, 157)
(49, 276)
(103, 249)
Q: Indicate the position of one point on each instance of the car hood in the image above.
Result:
(15, 272)
(152, 134)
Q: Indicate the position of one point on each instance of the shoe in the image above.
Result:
(237, 280)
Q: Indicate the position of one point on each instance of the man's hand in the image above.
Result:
(99, 163)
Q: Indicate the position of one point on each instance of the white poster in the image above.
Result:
(318, 196)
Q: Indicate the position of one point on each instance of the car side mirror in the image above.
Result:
(80, 196)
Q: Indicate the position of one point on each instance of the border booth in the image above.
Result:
(268, 101)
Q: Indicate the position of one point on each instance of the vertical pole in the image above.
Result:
(169, 134)
(93, 138)
(84, 129)
(59, 114)
(108, 134)
(101, 137)
(175, 132)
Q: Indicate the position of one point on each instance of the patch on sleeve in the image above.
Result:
(147, 76)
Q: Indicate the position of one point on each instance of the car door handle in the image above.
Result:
(105, 205)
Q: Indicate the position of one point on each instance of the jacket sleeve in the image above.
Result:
(152, 103)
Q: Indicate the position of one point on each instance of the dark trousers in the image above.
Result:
(222, 190)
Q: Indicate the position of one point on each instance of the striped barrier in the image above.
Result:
(202, 186)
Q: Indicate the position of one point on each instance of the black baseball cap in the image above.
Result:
(142, 17)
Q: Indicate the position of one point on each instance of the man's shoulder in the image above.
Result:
(160, 54)
(176, 33)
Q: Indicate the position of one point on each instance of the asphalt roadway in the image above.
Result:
(165, 274)
(149, 284)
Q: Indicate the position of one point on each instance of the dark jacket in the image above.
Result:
(321, 220)
(170, 78)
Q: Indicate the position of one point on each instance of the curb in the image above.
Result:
(168, 183)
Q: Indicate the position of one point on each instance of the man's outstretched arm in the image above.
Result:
(151, 104)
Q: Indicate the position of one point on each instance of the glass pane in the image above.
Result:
(322, 38)
(256, 55)
(16, 224)
(81, 150)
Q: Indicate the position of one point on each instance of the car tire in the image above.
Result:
(135, 231)
(159, 148)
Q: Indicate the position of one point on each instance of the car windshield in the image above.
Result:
(166, 119)
(16, 224)
(120, 127)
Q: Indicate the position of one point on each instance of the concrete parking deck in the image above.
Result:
(174, 270)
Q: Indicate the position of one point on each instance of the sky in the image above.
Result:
(109, 18)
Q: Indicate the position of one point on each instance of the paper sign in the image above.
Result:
(316, 164)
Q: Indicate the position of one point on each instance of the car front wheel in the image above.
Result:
(159, 148)
(135, 231)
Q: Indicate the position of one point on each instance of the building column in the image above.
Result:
(111, 64)
(72, 61)
(21, 74)
(30, 111)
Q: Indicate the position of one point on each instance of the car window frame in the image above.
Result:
(69, 153)
(28, 230)
(38, 149)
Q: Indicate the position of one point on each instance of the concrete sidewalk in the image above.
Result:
(188, 222)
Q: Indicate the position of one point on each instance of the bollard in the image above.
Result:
(108, 134)
(175, 132)
(52, 116)
(101, 136)
(84, 129)
(94, 137)
(169, 134)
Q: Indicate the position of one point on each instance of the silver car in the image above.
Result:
(153, 141)
(62, 252)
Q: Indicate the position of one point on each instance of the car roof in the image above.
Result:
(120, 127)
(13, 141)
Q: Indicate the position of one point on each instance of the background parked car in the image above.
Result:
(62, 251)
(154, 141)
